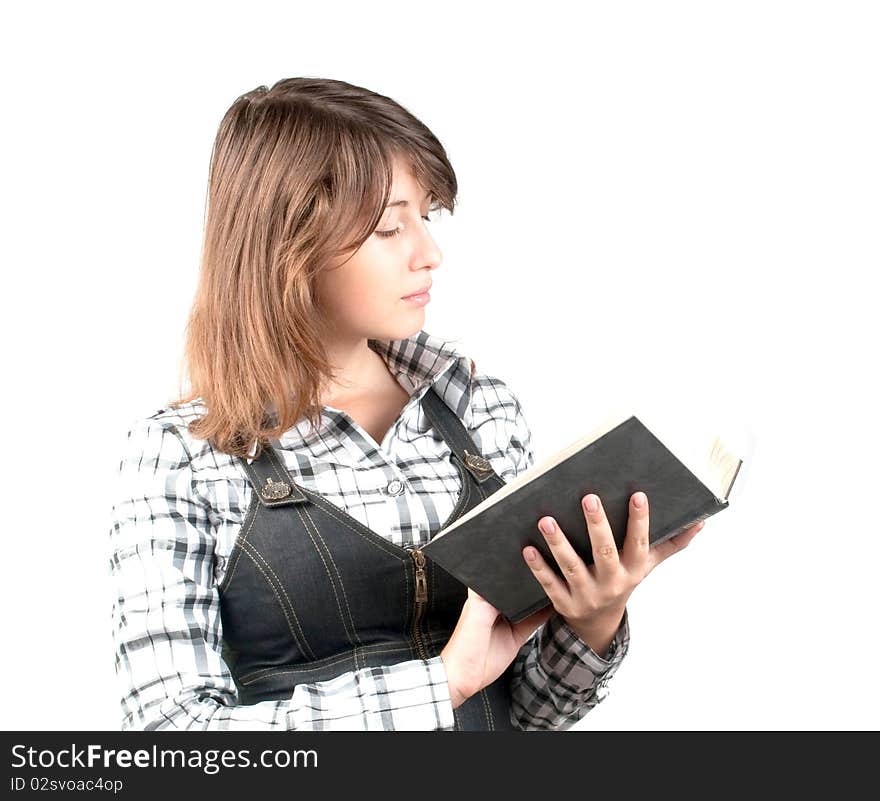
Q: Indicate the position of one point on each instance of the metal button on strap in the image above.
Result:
(395, 487)
(478, 465)
(275, 490)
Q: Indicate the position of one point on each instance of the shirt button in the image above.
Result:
(395, 487)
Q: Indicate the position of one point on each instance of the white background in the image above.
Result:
(661, 205)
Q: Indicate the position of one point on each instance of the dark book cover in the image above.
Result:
(485, 552)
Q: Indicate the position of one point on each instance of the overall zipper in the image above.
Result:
(421, 599)
(416, 554)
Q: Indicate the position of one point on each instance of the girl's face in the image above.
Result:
(365, 297)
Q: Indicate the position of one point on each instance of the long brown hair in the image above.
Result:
(299, 176)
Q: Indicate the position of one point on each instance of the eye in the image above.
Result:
(396, 231)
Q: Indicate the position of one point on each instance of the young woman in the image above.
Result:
(267, 525)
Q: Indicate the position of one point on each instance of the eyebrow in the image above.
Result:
(405, 202)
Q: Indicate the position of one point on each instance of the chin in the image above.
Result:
(402, 330)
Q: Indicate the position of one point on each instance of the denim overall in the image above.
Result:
(310, 592)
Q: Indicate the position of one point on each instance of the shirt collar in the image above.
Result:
(422, 361)
(417, 362)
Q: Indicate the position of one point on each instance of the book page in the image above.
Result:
(706, 446)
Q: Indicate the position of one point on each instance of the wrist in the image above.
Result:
(456, 698)
(455, 695)
(598, 632)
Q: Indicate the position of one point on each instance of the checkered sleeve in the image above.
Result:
(557, 678)
(167, 628)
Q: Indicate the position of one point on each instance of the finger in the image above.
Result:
(572, 567)
(554, 586)
(636, 544)
(605, 556)
(665, 549)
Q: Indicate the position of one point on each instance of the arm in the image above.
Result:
(167, 628)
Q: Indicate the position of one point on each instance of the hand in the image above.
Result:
(592, 599)
(482, 646)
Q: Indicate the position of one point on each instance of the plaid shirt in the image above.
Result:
(179, 505)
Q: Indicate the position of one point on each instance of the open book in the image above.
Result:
(686, 473)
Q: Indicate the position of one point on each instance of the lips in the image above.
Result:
(421, 291)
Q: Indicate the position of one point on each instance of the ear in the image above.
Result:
(473, 368)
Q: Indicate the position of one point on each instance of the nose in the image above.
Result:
(425, 252)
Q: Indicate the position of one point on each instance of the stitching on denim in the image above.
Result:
(263, 673)
(497, 481)
(252, 474)
(280, 469)
(435, 419)
(235, 556)
(463, 496)
(447, 435)
(254, 554)
(338, 574)
(333, 511)
(467, 481)
(321, 503)
(488, 709)
(303, 514)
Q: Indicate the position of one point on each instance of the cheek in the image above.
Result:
(358, 299)
(361, 288)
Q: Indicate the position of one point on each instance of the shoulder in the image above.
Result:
(164, 438)
(163, 462)
(499, 425)
(494, 399)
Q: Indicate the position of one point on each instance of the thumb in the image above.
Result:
(481, 607)
(525, 628)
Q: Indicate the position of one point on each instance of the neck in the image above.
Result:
(356, 370)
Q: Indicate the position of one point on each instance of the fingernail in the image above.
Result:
(530, 554)
(639, 500)
(547, 526)
(591, 502)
